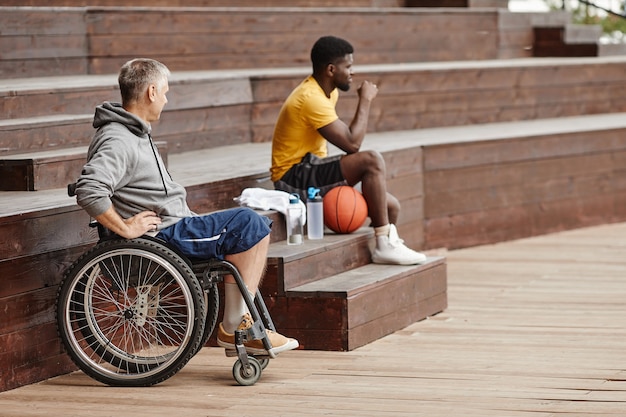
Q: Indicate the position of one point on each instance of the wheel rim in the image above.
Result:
(131, 313)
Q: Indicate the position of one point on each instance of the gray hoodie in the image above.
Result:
(124, 169)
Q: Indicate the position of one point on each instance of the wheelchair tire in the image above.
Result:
(131, 312)
(212, 302)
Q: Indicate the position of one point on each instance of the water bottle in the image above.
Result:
(294, 221)
(315, 214)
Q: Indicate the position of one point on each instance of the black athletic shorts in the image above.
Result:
(312, 171)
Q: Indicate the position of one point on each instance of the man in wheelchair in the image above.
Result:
(125, 186)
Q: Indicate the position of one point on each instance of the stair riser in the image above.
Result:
(36, 137)
(48, 170)
(283, 275)
(30, 176)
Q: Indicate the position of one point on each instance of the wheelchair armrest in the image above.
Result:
(71, 189)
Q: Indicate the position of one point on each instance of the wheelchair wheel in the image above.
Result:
(212, 302)
(131, 312)
(247, 375)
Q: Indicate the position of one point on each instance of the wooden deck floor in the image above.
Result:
(535, 327)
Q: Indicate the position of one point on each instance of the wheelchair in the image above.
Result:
(133, 312)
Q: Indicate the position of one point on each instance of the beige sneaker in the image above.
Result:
(392, 250)
(279, 342)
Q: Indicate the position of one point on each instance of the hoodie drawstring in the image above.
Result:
(156, 159)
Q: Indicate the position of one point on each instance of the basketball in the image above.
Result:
(345, 209)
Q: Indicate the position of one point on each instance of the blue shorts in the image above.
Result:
(214, 235)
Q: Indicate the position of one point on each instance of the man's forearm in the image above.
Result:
(358, 127)
(113, 221)
(138, 225)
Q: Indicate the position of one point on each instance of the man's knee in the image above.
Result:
(370, 160)
(250, 217)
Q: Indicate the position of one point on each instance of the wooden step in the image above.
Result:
(47, 170)
(437, 3)
(290, 266)
(41, 170)
(98, 40)
(355, 307)
(209, 109)
(42, 133)
(329, 295)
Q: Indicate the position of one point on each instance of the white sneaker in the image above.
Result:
(392, 250)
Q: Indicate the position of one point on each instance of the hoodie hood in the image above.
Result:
(114, 112)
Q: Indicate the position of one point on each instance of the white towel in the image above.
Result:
(261, 198)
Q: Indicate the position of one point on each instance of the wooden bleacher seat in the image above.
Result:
(212, 109)
(92, 40)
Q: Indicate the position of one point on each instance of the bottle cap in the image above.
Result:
(294, 198)
(313, 192)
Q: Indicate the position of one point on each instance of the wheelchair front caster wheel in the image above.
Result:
(247, 375)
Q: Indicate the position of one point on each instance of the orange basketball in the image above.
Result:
(345, 209)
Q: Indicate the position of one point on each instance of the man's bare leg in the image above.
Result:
(251, 265)
(368, 167)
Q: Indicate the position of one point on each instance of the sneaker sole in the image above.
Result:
(250, 350)
(380, 261)
(292, 344)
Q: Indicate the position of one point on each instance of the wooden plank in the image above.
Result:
(42, 42)
(39, 359)
(490, 226)
(32, 47)
(31, 309)
(18, 136)
(43, 232)
(458, 95)
(204, 128)
(492, 187)
(47, 21)
(29, 273)
(42, 67)
(362, 335)
(210, 45)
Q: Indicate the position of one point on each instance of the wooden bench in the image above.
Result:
(210, 109)
(62, 41)
(430, 171)
(463, 186)
(90, 40)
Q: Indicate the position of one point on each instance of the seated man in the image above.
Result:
(308, 120)
(125, 186)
